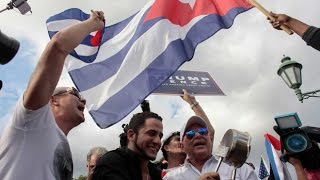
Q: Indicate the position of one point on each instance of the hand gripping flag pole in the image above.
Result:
(267, 13)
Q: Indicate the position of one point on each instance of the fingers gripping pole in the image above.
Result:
(265, 12)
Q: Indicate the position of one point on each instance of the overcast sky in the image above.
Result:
(243, 60)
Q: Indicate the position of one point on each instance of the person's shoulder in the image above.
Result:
(179, 173)
(114, 155)
(246, 167)
(247, 172)
(174, 172)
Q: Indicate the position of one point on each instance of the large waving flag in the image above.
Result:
(279, 168)
(137, 54)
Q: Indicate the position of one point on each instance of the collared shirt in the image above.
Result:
(189, 172)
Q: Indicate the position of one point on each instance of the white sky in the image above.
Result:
(243, 60)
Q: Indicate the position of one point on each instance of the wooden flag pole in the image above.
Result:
(95, 13)
(265, 12)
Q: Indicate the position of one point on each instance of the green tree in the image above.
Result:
(81, 177)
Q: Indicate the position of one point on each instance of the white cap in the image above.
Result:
(192, 120)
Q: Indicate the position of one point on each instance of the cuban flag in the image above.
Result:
(139, 53)
(279, 168)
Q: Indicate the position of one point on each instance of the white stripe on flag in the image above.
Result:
(278, 162)
(58, 25)
(84, 50)
(61, 24)
(264, 162)
(113, 45)
(130, 67)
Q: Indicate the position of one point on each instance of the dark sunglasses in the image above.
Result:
(70, 90)
(202, 131)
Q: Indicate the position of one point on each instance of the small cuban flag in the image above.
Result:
(263, 171)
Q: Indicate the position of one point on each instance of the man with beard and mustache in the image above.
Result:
(133, 162)
(200, 163)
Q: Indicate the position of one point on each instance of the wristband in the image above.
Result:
(194, 104)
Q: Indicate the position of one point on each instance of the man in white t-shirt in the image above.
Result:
(200, 163)
(34, 144)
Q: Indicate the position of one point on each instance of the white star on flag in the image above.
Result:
(190, 2)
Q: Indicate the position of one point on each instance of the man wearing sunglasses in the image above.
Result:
(34, 144)
(172, 148)
(200, 163)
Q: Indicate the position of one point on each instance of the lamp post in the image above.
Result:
(290, 72)
(21, 5)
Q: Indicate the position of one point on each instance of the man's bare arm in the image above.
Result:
(197, 109)
(48, 70)
(295, 25)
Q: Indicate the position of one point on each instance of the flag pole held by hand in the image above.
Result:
(267, 13)
(94, 13)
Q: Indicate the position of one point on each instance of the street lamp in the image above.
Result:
(21, 5)
(290, 72)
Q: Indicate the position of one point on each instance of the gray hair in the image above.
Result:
(99, 151)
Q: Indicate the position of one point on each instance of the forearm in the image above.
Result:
(70, 37)
(197, 109)
(300, 172)
(296, 163)
(47, 73)
(297, 26)
(44, 78)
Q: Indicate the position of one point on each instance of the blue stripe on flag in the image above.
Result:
(136, 91)
(115, 29)
(86, 41)
(122, 102)
(271, 159)
(85, 79)
(179, 50)
(73, 13)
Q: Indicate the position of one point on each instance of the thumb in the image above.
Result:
(184, 91)
(273, 14)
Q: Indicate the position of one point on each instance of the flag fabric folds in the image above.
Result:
(263, 171)
(279, 168)
(137, 54)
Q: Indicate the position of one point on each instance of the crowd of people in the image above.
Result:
(34, 144)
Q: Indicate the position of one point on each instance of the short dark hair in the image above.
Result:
(166, 142)
(123, 136)
(137, 120)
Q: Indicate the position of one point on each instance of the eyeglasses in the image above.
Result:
(202, 131)
(70, 90)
